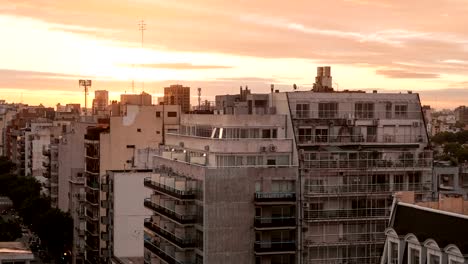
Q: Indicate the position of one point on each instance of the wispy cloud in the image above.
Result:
(402, 74)
(176, 66)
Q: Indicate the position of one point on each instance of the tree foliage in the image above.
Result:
(54, 227)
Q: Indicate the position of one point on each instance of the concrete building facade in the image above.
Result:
(177, 94)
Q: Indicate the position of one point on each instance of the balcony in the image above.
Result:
(155, 249)
(360, 214)
(280, 247)
(345, 239)
(46, 152)
(93, 185)
(359, 139)
(180, 242)
(275, 197)
(46, 164)
(179, 194)
(363, 189)
(275, 222)
(357, 115)
(182, 219)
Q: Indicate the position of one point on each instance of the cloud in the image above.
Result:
(407, 74)
(177, 66)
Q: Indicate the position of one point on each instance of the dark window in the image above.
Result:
(401, 111)
(328, 110)
(158, 132)
(321, 135)
(266, 133)
(138, 129)
(158, 114)
(305, 135)
(171, 114)
(364, 110)
(302, 110)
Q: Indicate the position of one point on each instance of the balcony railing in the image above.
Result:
(180, 242)
(180, 194)
(274, 247)
(342, 189)
(182, 219)
(274, 222)
(346, 214)
(352, 115)
(155, 249)
(275, 197)
(92, 185)
(360, 139)
(375, 164)
(347, 238)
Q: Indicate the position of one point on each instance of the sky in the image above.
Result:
(384, 45)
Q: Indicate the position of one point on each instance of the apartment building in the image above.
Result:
(177, 94)
(450, 179)
(114, 146)
(100, 102)
(7, 113)
(223, 191)
(351, 151)
(355, 150)
(136, 99)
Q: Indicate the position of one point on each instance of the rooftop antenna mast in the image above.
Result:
(142, 28)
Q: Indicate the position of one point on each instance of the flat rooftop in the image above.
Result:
(16, 250)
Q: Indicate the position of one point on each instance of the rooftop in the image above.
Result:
(443, 227)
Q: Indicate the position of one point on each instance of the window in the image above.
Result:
(158, 114)
(364, 110)
(371, 134)
(388, 110)
(414, 256)
(321, 135)
(401, 111)
(398, 182)
(393, 253)
(266, 133)
(328, 110)
(171, 114)
(464, 179)
(433, 259)
(302, 110)
(305, 135)
(158, 132)
(138, 129)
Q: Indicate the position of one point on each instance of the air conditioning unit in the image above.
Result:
(272, 148)
(263, 149)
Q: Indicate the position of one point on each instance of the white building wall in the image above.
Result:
(129, 213)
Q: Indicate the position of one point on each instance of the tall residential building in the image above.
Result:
(461, 114)
(223, 191)
(177, 94)
(115, 146)
(355, 150)
(100, 102)
(348, 153)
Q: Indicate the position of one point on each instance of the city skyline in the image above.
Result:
(381, 45)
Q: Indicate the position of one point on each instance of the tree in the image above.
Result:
(9, 230)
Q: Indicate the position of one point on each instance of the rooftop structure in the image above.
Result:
(15, 252)
(177, 94)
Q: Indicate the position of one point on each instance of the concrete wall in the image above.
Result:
(129, 213)
(229, 212)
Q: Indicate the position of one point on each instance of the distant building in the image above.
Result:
(461, 114)
(136, 99)
(177, 94)
(431, 232)
(100, 102)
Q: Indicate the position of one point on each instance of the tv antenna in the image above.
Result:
(142, 28)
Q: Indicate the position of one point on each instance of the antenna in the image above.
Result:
(142, 28)
(199, 98)
(85, 84)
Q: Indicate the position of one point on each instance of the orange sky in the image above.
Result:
(47, 45)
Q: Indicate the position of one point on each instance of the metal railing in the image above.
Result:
(180, 194)
(180, 242)
(271, 222)
(327, 214)
(345, 238)
(275, 197)
(347, 260)
(365, 188)
(274, 246)
(183, 219)
(155, 248)
(337, 114)
(369, 163)
(359, 139)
